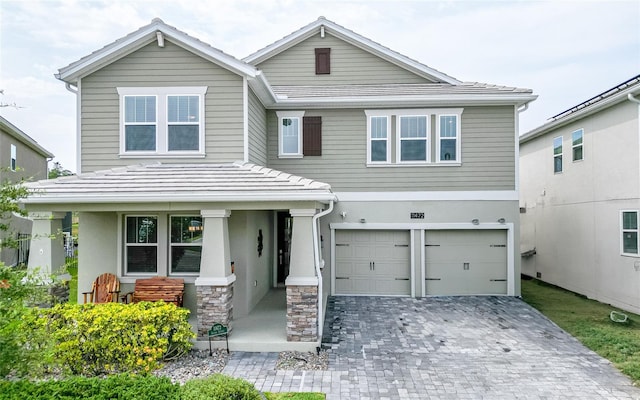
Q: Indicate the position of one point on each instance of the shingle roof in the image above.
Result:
(179, 183)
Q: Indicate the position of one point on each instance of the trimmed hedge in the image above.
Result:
(219, 387)
(96, 339)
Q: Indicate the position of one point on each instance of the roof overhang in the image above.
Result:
(142, 37)
(351, 38)
(15, 132)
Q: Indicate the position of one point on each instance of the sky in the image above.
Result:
(565, 51)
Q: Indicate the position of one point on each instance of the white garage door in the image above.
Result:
(466, 262)
(372, 262)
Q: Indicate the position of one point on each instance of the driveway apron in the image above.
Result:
(442, 348)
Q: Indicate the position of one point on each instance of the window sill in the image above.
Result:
(290, 155)
(630, 255)
(162, 155)
(457, 164)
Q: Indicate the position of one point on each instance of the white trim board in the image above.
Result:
(488, 195)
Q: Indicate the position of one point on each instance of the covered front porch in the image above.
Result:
(234, 211)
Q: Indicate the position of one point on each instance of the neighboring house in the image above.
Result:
(324, 163)
(21, 158)
(580, 198)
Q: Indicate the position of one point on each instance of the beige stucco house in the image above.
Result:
(323, 164)
(21, 159)
(580, 198)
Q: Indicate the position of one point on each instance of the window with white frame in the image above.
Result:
(557, 155)
(378, 133)
(576, 144)
(290, 134)
(141, 244)
(413, 143)
(448, 134)
(14, 158)
(162, 121)
(185, 244)
(629, 225)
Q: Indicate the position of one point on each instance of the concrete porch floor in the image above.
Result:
(263, 329)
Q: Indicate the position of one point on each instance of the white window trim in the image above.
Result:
(13, 161)
(427, 139)
(374, 114)
(457, 139)
(170, 244)
(291, 115)
(162, 123)
(622, 231)
(561, 155)
(579, 145)
(123, 244)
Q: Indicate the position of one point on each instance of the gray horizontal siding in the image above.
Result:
(257, 131)
(488, 155)
(349, 65)
(154, 66)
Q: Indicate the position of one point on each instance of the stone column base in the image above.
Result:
(215, 305)
(302, 313)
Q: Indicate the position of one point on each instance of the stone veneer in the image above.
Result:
(215, 305)
(302, 313)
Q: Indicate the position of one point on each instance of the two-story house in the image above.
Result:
(324, 163)
(21, 159)
(580, 198)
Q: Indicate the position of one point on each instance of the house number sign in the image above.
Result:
(417, 215)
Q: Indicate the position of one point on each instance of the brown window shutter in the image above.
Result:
(323, 61)
(312, 136)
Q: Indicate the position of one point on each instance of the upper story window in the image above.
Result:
(448, 138)
(576, 144)
(410, 134)
(557, 155)
(14, 158)
(163, 121)
(413, 144)
(323, 61)
(629, 230)
(290, 134)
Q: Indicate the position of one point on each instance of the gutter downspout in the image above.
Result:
(634, 99)
(315, 228)
(67, 85)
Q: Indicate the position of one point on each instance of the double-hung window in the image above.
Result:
(448, 135)
(629, 225)
(378, 144)
(141, 244)
(576, 144)
(290, 134)
(14, 158)
(414, 131)
(163, 121)
(186, 244)
(557, 155)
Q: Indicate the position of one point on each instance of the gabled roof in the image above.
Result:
(401, 94)
(354, 39)
(142, 37)
(184, 183)
(13, 131)
(608, 98)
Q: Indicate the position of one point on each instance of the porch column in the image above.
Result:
(302, 282)
(46, 251)
(214, 286)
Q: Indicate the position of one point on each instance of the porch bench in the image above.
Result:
(171, 290)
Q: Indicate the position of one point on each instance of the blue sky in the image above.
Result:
(566, 51)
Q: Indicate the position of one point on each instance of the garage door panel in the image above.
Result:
(357, 252)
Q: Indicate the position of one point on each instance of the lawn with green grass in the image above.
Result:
(72, 268)
(589, 321)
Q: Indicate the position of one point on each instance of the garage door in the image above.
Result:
(466, 262)
(372, 262)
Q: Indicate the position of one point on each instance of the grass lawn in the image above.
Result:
(588, 321)
(72, 267)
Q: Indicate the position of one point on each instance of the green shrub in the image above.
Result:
(122, 387)
(219, 387)
(25, 347)
(94, 339)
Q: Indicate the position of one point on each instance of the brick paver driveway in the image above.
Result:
(443, 348)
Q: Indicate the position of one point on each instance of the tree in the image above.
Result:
(10, 195)
(58, 170)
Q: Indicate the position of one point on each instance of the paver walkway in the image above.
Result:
(442, 348)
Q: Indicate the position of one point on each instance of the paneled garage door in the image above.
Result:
(466, 262)
(373, 262)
